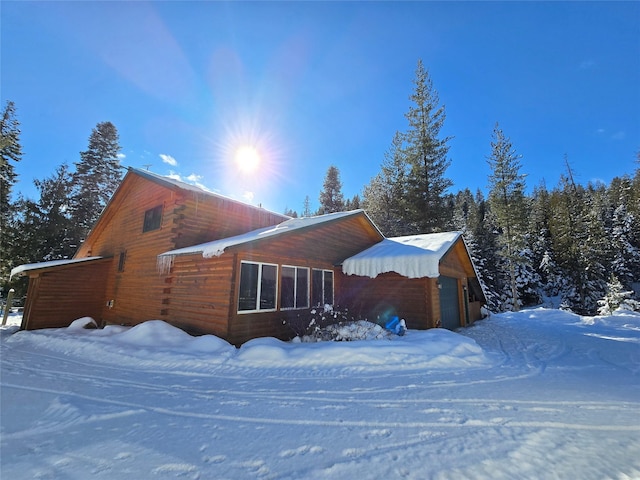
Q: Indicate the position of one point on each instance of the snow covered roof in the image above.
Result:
(216, 248)
(53, 263)
(174, 182)
(413, 256)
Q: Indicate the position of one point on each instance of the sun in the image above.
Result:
(247, 158)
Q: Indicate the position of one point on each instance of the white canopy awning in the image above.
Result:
(413, 256)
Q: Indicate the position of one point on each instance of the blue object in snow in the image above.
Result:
(397, 326)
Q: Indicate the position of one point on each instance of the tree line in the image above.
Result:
(573, 244)
(568, 246)
(70, 200)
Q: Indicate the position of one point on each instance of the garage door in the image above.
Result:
(449, 302)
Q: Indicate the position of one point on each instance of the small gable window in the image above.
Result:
(121, 260)
(152, 219)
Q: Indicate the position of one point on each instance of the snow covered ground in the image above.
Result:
(536, 394)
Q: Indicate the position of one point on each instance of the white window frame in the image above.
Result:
(259, 287)
(333, 285)
(295, 287)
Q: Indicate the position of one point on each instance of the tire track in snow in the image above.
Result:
(337, 396)
(330, 423)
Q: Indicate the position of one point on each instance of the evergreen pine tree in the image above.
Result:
(55, 226)
(568, 233)
(10, 154)
(470, 218)
(306, 207)
(539, 242)
(625, 231)
(384, 198)
(579, 230)
(483, 249)
(353, 203)
(290, 212)
(97, 176)
(426, 154)
(616, 298)
(508, 204)
(331, 198)
(44, 226)
(596, 251)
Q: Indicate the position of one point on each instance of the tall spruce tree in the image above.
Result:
(97, 176)
(353, 203)
(579, 240)
(625, 231)
(10, 155)
(44, 226)
(508, 204)
(306, 207)
(539, 241)
(331, 198)
(485, 255)
(426, 153)
(54, 225)
(385, 195)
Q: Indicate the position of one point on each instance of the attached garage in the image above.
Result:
(425, 279)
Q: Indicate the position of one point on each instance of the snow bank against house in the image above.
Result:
(156, 343)
(152, 344)
(437, 348)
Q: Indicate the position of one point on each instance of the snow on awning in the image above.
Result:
(53, 263)
(413, 256)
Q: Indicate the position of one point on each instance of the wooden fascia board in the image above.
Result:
(35, 272)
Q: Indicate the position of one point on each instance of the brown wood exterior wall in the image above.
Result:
(389, 294)
(416, 300)
(208, 287)
(197, 294)
(137, 292)
(60, 296)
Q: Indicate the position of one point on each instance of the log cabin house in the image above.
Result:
(163, 249)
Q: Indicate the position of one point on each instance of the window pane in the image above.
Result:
(316, 292)
(152, 219)
(328, 288)
(123, 256)
(248, 286)
(302, 290)
(268, 287)
(287, 288)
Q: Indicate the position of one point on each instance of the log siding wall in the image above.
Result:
(58, 297)
(137, 292)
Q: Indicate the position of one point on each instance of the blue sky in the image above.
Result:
(314, 84)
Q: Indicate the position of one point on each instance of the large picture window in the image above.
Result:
(294, 287)
(322, 287)
(258, 287)
(152, 219)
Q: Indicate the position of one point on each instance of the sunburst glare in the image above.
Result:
(247, 158)
(250, 157)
